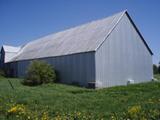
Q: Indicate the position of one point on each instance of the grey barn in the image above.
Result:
(103, 53)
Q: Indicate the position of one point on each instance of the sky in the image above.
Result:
(22, 21)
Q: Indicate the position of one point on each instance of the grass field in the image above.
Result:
(57, 100)
(157, 76)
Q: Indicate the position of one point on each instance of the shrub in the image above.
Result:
(39, 72)
(155, 69)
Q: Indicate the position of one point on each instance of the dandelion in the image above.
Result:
(29, 117)
(113, 117)
(12, 110)
(79, 113)
(17, 109)
(134, 111)
(45, 116)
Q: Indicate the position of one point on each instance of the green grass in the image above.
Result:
(67, 99)
(157, 76)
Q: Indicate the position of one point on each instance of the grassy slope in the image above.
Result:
(157, 76)
(65, 98)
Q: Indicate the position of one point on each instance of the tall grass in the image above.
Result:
(64, 100)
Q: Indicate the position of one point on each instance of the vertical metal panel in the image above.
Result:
(123, 56)
(21, 68)
(2, 55)
(11, 69)
(76, 68)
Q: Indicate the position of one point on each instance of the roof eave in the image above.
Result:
(139, 33)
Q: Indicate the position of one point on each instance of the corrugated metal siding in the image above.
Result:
(2, 58)
(123, 56)
(77, 68)
(22, 67)
(11, 69)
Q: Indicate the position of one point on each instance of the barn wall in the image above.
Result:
(77, 68)
(2, 58)
(11, 69)
(123, 56)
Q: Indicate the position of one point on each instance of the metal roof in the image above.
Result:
(10, 52)
(84, 38)
(79, 39)
(12, 49)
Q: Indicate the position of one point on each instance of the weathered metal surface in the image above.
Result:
(123, 56)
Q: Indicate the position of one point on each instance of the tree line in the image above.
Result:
(156, 68)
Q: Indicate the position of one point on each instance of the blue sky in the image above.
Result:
(22, 21)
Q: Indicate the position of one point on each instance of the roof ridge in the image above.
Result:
(110, 31)
(10, 46)
(107, 24)
(83, 24)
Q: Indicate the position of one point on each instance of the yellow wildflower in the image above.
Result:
(78, 113)
(134, 110)
(45, 116)
(12, 110)
(20, 109)
(29, 117)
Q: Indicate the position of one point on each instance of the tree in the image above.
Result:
(159, 68)
(155, 69)
(39, 72)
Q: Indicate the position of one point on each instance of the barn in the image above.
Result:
(102, 53)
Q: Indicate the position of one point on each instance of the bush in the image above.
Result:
(159, 69)
(155, 69)
(39, 72)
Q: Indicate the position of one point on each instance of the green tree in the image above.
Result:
(155, 69)
(159, 68)
(39, 72)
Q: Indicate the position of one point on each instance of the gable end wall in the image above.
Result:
(123, 56)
